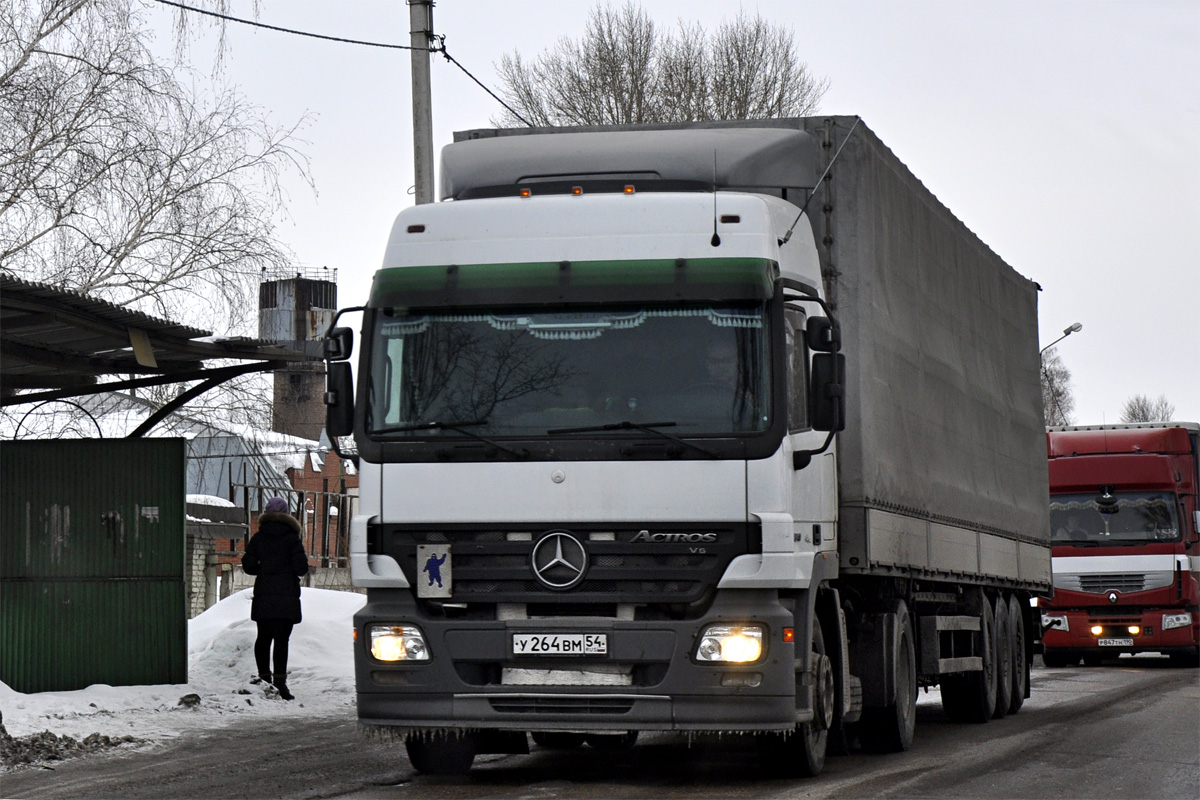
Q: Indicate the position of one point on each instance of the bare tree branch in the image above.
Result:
(626, 70)
(1057, 401)
(122, 179)
(1140, 408)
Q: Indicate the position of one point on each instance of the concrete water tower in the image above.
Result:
(295, 308)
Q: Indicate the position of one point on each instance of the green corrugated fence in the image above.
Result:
(92, 563)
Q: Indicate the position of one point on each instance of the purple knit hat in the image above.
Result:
(276, 505)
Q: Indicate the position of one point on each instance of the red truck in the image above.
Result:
(1125, 542)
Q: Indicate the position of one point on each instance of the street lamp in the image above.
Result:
(1067, 331)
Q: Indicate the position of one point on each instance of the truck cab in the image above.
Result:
(1125, 549)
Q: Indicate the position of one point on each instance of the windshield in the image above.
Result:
(1135, 518)
(697, 369)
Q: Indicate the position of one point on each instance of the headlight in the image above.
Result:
(730, 644)
(397, 643)
(1097, 630)
(1055, 622)
(1176, 621)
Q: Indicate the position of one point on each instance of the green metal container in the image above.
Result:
(92, 555)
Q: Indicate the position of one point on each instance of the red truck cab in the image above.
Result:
(1125, 544)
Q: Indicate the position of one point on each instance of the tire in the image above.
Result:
(1186, 660)
(1056, 660)
(1004, 659)
(612, 742)
(553, 740)
(1020, 655)
(890, 729)
(802, 753)
(971, 696)
(449, 754)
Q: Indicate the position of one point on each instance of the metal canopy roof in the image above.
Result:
(57, 343)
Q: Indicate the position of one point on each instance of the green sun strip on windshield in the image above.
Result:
(574, 282)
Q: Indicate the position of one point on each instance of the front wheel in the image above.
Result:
(449, 754)
(802, 753)
(1055, 660)
(612, 742)
(557, 741)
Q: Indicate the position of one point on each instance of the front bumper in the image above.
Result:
(1116, 636)
(648, 681)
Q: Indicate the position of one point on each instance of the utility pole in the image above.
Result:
(420, 37)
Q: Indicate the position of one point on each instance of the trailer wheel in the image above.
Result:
(890, 729)
(801, 754)
(449, 754)
(1004, 659)
(1020, 655)
(971, 696)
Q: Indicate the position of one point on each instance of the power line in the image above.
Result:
(440, 48)
(228, 18)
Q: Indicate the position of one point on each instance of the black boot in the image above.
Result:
(281, 684)
(262, 677)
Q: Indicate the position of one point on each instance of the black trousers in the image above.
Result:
(272, 632)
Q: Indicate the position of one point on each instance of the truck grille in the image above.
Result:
(550, 704)
(1123, 582)
(659, 564)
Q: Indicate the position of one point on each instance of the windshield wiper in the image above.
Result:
(626, 425)
(458, 427)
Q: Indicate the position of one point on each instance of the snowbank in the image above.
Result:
(220, 665)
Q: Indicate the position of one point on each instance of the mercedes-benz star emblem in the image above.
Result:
(559, 560)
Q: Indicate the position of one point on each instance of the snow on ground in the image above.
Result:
(220, 665)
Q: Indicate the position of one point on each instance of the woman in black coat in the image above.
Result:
(275, 555)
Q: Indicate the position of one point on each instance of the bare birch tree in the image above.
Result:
(625, 70)
(1057, 401)
(120, 179)
(1141, 408)
(137, 182)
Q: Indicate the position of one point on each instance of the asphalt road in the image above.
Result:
(1130, 730)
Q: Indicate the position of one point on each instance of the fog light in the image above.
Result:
(397, 643)
(731, 644)
(1097, 630)
(1176, 621)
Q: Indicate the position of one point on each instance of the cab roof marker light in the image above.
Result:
(525, 192)
(577, 190)
(629, 189)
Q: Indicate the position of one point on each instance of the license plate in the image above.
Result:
(560, 644)
(1115, 642)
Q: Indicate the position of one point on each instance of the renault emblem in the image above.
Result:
(1112, 597)
(559, 560)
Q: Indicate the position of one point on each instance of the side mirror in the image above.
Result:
(822, 335)
(339, 398)
(828, 409)
(339, 344)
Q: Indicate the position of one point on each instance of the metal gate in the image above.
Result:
(92, 563)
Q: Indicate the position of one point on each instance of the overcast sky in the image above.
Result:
(1062, 132)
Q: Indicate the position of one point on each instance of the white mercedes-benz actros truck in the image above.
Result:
(725, 427)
